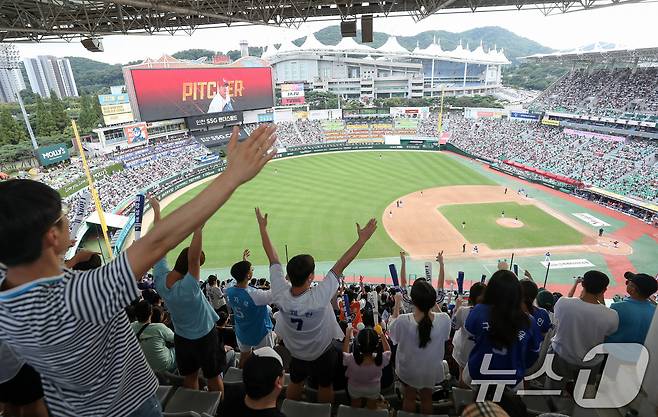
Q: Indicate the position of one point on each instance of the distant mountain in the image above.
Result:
(94, 77)
(515, 46)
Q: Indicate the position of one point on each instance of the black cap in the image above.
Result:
(645, 283)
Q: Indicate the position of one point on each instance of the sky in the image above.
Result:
(631, 25)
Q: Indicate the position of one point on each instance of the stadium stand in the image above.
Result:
(604, 92)
(627, 166)
(147, 165)
(376, 370)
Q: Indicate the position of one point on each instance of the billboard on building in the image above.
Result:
(184, 92)
(218, 137)
(115, 108)
(107, 99)
(48, 155)
(117, 119)
(214, 119)
(136, 133)
(292, 94)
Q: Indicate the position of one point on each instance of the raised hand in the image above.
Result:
(439, 257)
(153, 201)
(247, 158)
(262, 220)
(403, 255)
(366, 232)
(246, 254)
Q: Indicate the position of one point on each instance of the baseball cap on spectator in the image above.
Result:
(545, 299)
(646, 284)
(260, 372)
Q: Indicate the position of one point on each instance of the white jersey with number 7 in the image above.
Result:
(306, 323)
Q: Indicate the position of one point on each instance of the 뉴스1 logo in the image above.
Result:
(620, 382)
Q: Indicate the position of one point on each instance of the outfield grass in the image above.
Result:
(314, 201)
(540, 228)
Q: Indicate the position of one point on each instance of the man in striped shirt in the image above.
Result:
(70, 326)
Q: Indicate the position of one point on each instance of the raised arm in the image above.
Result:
(384, 340)
(353, 251)
(528, 275)
(572, 291)
(348, 339)
(403, 269)
(272, 256)
(155, 206)
(194, 254)
(441, 280)
(245, 160)
(396, 307)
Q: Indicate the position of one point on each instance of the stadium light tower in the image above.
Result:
(10, 60)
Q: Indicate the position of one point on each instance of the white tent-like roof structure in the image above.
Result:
(312, 43)
(460, 53)
(287, 46)
(349, 44)
(270, 50)
(392, 46)
(479, 55)
(434, 49)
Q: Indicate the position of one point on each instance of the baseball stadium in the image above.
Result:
(313, 229)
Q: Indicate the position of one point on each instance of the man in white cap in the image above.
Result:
(221, 102)
(263, 381)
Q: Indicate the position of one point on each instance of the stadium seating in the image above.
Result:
(184, 400)
(303, 409)
(603, 92)
(346, 411)
(627, 166)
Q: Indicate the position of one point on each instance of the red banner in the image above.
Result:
(136, 133)
(183, 92)
(292, 100)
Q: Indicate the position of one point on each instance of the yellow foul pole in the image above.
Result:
(92, 189)
(440, 127)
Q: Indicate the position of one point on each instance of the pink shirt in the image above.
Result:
(364, 375)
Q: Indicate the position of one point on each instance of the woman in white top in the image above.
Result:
(463, 342)
(420, 338)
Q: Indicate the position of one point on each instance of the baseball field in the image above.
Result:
(314, 202)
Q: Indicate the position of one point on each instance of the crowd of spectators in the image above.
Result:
(150, 165)
(627, 166)
(600, 91)
(300, 132)
(67, 349)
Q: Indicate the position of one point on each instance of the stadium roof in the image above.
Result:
(35, 20)
(390, 50)
(598, 55)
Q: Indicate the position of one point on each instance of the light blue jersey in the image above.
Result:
(251, 314)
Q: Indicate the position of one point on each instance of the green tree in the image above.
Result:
(58, 112)
(45, 123)
(88, 119)
(11, 132)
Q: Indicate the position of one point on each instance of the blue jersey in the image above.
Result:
(518, 357)
(543, 320)
(250, 313)
(191, 313)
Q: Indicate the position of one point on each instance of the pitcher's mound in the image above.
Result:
(505, 222)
